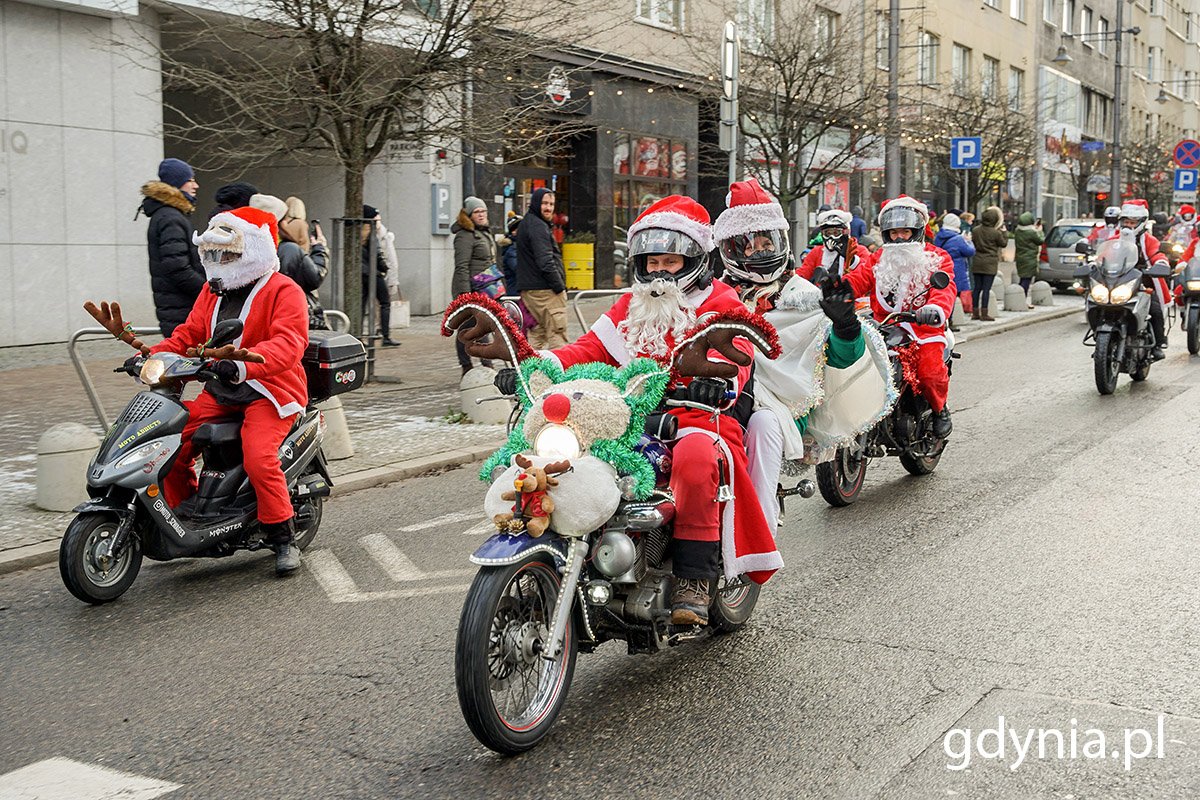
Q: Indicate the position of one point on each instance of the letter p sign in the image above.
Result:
(966, 152)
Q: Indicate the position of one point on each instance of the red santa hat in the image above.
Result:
(1135, 209)
(257, 255)
(750, 209)
(677, 213)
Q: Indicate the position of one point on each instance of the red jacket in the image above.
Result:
(862, 281)
(275, 316)
(822, 256)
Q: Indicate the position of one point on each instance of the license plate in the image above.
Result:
(1070, 259)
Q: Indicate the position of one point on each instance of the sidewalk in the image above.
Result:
(399, 425)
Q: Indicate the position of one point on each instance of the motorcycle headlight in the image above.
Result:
(153, 370)
(1193, 286)
(1099, 293)
(1121, 294)
(139, 455)
(556, 441)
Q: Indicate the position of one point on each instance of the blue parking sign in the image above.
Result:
(966, 152)
(1186, 180)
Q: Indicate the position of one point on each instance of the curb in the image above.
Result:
(1019, 322)
(36, 555)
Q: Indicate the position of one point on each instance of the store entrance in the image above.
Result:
(521, 179)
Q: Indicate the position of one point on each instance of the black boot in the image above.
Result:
(1158, 353)
(942, 424)
(281, 535)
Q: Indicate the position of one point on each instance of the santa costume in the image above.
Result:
(239, 257)
(709, 452)
(897, 279)
(831, 254)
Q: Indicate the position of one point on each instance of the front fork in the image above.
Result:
(111, 548)
(576, 552)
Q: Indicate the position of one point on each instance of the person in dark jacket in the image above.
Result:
(990, 239)
(382, 297)
(858, 226)
(540, 273)
(231, 196)
(508, 256)
(474, 252)
(301, 259)
(176, 276)
(949, 238)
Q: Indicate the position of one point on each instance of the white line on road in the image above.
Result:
(64, 779)
(341, 588)
(398, 566)
(445, 519)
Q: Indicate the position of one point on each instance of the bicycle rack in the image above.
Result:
(587, 294)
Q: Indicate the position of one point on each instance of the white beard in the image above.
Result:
(237, 274)
(652, 319)
(904, 270)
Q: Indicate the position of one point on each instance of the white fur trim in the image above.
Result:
(549, 354)
(609, 335)
(241, 368)
(673, 221)
(739, 220)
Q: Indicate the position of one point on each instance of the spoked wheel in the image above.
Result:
(87, 570)
(1106, 367)
(509, 694)
(841, 480)
(732, 604)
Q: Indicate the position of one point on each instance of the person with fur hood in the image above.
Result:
(240, 261)
(990, 240)
(176, 276)
(897, 278)
(831, 381)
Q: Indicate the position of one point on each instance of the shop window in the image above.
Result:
(645, 169)
(667, 13)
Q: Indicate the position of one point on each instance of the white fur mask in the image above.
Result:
(236, 251)
(904, 270)
(657, 310)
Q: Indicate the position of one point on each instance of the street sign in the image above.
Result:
(966, 152)
(1183, 197)
(1187, 153)
(1186, 180)
(1091, 147)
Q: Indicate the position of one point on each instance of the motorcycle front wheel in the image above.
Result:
(85, 572)
(1106, 367)
(1193, 338)
(841, 480)
(509, 694)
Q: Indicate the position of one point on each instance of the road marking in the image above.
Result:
(398, 566)
(482, 528)
(339, 587)
(445, 519)
(64, 779)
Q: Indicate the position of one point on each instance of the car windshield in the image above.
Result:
(1067, 235)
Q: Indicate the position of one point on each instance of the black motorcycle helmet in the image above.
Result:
(756, 257)
(675, 225)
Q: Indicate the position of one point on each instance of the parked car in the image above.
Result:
(1058, 258)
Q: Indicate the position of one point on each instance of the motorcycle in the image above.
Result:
(1174, 252)
(602, 569)
(1189, 282)
(1118, 312)
(127, 516)
(906, 432)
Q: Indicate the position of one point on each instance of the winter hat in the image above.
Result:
(1136, 208)
(1026, 218)
(749, 209)
(857, 211)
(952, 221)
(677, 213)
(370, 212)
(174, 172)
(271, 204)
(235, 195)
(473, 204)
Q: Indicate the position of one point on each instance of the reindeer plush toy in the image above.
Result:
(533, 505)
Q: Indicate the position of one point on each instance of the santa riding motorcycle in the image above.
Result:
(1135, 216)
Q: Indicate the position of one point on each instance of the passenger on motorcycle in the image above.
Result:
(897, 279)
(244, 282)
(669, 244)
(760, 275)
(836, 245)
(1135, 215)
(1184, 229)
(1100, 233)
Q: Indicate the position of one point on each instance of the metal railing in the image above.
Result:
(342, 318)
(587, 294)
(88, 387)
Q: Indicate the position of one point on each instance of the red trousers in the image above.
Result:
(262, 434)
(932, 375)
(694, 480)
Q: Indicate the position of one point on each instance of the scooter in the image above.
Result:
(1189, 280)
(127, 516)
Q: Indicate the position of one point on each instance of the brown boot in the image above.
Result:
(689, 602)
(975, 313)
(986, 317)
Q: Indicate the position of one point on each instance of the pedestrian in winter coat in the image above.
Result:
(373, 230)
(176, 275)
(474, 253)
(949, 238)
(990, 240)
(302, 259)
(231, 196)
(1028, 239)
(540, 273)
(508, 256)
(858, 226)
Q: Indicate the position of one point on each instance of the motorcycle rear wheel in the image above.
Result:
(1193, 339)
(506, 619)
(1106, 367)
(305, 535)
(84, 575)
(733, 603)
(920, 465)
(841, 480)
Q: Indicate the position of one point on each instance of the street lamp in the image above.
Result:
(1162, 88)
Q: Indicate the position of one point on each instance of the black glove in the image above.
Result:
(506, 381)
(837, 301)
(708, 391)
(226, 372)
(131, 364)
(930, 315)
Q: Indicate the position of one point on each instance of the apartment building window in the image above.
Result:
(1016, 89)
(1048, 11)
(756, 21)
(883, 23)
(1189, 85)
(1151, 61)
(961, 68)
(667, 13)
(1016, 9)
(1156, 7)
(1085, 26)
(1068, 19)
(927, 72)
(1101, 41)
(992, 3)
(991, 77)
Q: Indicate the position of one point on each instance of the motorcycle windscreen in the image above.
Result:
(1117, 255)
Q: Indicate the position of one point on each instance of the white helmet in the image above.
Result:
(1138, 212)
(834, 218)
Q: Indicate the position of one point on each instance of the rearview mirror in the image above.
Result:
(1083, 248)
(225, 332)
(939, 280)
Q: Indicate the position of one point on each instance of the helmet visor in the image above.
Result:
(660, 241)
(759, 247)
(901, 217)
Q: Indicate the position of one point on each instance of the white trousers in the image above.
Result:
(764, 450)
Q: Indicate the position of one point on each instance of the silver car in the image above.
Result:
(1058, 258)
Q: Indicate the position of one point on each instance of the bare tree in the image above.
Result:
(1148, 169)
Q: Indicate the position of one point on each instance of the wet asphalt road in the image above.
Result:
(1045, 573)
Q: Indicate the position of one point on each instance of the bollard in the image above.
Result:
(476, 385)
(1041, 294)
(63, 455)
(994, 306)
(1014, 298)
(957, 315)
(337, 444)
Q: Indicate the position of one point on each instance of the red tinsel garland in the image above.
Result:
(908, 366)
(482, 302)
